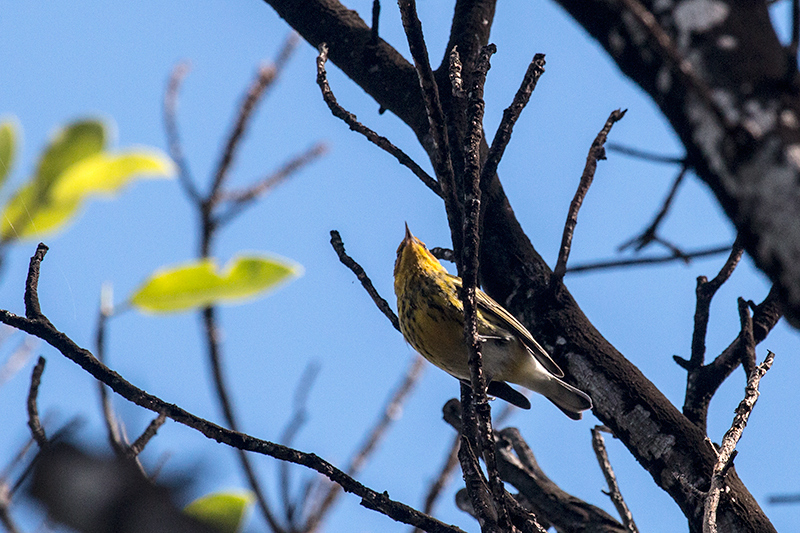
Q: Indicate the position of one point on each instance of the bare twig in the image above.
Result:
(729, 441)
(239, 200)
(265, 77)
(700, 379)
(546, 499)
(446, 472)
(383, 305)
(5, 509)
(115, 438)
(376, 18)
(710, 376)
(705, 292)
(37, 431)
(644, 155)
(389, 414)
(649, 234)
(32, 309)
(510, 115)
(150, 431)
(298, 418)
(439, 148)
(42, 328)
(642, 261)
(221, 388)
(179, 73)
(18, 358)
(596, 152)
(350, 119)
(599, 445)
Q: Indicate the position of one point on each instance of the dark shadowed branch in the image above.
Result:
(350, 119)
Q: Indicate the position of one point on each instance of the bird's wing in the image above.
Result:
(496, 311)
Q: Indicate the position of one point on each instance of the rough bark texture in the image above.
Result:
(740, 122)
(752, 169)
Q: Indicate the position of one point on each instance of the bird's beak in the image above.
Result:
(409, 236)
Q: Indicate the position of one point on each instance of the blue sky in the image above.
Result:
(67, 60)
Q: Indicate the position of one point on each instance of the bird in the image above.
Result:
(431, 317)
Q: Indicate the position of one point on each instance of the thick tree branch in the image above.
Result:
(666, 444)
(743, 140)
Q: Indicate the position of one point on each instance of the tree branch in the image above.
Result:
(42, 328)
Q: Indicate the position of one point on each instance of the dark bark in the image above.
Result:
(664, 441)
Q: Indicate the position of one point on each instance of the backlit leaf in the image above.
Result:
(8, 148)
(224, 511)
(199, 284)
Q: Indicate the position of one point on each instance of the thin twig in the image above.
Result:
(352, 121)
(383, 305)
(265, 76)
(710, 377)
(299, 416)
(5, 509)
(446, 472)
(32, 309)
(239, 200)
(705, 292)
(596, 152)
(642, 261)
(729, 441)
(221, 388)
(649, 234)
(42, 328)
(439, 147)
(18, 359)
(150, 431)
(389, 414)
(510, 115)
(644, 155)
(599, 446)
(113, 430)
(179, 73)
(37, 431)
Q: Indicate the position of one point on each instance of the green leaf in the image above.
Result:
(8, 147)
(74, 168)
(106, 173)
(224, 511)
(69, 145)
(199, 284)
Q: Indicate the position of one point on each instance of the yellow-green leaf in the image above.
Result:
(199, 284)
(68, 146)
(105, 173)
(30, 214)
(8, 147)
(224, 511)
(73, 169)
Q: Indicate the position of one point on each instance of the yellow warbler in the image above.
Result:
(432, 321)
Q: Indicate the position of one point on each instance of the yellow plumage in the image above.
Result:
(432, 321)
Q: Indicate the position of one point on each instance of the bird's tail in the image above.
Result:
(566, 397)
